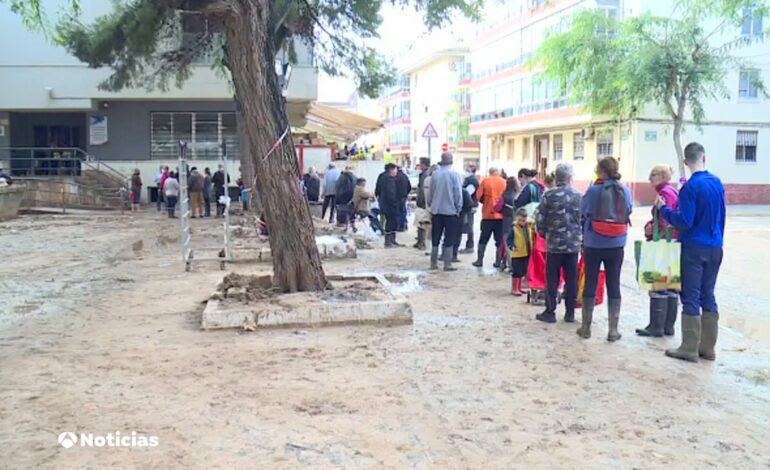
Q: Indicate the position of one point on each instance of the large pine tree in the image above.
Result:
(245, 37)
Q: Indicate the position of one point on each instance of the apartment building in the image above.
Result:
(50, 101)
(432, 89)
(523, 122)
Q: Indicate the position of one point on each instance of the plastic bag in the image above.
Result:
(658, 262)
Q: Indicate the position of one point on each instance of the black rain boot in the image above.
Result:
(498, 257)
(480, 255)
(672, 308)
(546, 317)
(389, 240)
(434, 258)
(455, 250)
(448, 259)
(691, 331)
(658, 307)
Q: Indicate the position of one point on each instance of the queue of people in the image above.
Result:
(578, 231)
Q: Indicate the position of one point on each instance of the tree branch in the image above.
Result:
(200, 6)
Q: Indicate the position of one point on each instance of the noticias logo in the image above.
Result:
(70, 439)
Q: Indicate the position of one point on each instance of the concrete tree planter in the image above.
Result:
(353, 300)
(10, 201)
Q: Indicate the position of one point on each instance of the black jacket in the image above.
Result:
(421, 203)
(312, 187)
(472, 180)
(346, 185)
(527, 192)
(219, 182)
(388, 194)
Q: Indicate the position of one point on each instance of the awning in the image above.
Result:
(338, 124)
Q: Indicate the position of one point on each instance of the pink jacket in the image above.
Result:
(669, 194)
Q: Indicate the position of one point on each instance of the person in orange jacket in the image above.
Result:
(490, 191)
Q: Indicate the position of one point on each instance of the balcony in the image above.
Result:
(522, 110)
(502, 67)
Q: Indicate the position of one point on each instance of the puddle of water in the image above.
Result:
(405, 282)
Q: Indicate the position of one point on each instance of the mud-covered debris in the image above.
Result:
(353, 292)
(244, 288)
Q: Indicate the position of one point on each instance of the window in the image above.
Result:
(604, 144)
(578, 146)
(204, 133)
(747, 84)
(558, 147)
(752, 23)
(746, 146)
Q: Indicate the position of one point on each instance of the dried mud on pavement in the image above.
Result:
(99, 332)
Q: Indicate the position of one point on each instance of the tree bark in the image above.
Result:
(678, 124)
(296, 262)
(247, 162)
(678, 144)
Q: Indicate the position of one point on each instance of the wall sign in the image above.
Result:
(97, 130)
(651, 136)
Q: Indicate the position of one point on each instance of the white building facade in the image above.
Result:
(50, 100)
(523, 122)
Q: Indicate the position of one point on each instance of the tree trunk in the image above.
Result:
(296, 262)
(681, 106)
(678, 145)
(247, 162)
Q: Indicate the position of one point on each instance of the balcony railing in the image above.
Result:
(522, 110)
(502, 67)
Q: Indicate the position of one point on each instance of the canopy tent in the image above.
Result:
(337, 124)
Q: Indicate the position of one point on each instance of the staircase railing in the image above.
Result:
(57, 162)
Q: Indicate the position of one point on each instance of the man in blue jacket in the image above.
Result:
(700, 220)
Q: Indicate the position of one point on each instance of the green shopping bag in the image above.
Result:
(658, 261)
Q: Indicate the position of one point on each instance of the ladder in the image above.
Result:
(188, 254)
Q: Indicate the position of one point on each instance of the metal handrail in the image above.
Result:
(73, 158)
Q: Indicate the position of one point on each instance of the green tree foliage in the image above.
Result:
(134, 39)
(616, 68)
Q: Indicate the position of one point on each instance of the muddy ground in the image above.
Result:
(99, 332)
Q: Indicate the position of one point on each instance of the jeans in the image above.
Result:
(612, 258)
(490, 227)
(554, 264)
(171, 204)
(328, 203)
(207, 203)
(402, 223)
(159, 199)
(448, 226)
(700, 268)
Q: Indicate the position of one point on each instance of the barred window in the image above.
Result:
(746, 146)
(203, 131)
(558, 147)
(604, 144)
(578, 146)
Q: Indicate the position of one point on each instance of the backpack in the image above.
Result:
(467, 203)
(611, 217)
(534, 198)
